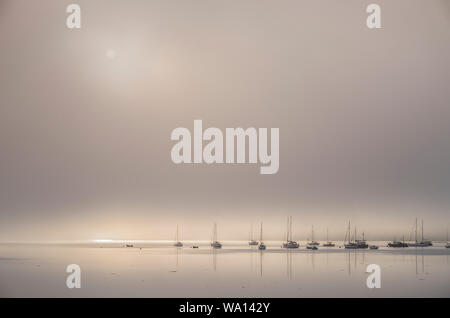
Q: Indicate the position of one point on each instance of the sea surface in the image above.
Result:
(157, 269)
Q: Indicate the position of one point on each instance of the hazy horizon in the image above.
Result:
(86, 117)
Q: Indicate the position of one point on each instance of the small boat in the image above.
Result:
(129, 245)
(311, 247)
(328, 243)
(215, 243)
(177, 242)
(289, 242)
(261, 246)
(195, 246)
(373, 247)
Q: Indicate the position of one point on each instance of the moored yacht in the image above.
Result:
(252, 242)
(361, 243)
(290, 243)
(354, 244)
(313, 242)
(261, 246)
(177, 242)
(422, 242)
(398, 243)
(215, 243)
(448, 244)
(328, 243)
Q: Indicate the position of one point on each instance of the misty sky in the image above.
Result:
(86, 117)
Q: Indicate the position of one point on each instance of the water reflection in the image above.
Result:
(261, 263)
(214, 259)
(289, 264)
(422, 259)
(269, 273)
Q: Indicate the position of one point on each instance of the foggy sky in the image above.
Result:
(86, 117)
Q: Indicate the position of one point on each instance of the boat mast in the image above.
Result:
(287, 230)
(312, 233)
(177, 234)
(327, 235)
(260, 234)
(415, 232)
(290, 228)
(348, 231)
(422, 230)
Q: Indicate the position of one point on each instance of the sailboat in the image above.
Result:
(355, 244)
(215, 243)
(422, 242)
(313, 243)
(261, 246)
(289, 242)
(361, 243)
(448, 244)
(328, 243)
(252, 242)
(398, 243)
(177, 242)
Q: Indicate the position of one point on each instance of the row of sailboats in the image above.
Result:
(416, 243)
(349, 241)
(290, 242)
(216, 244)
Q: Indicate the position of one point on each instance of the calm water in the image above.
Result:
(159, 270)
